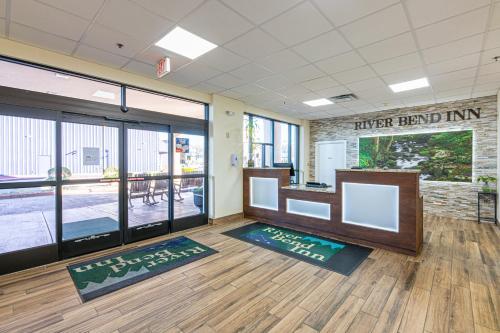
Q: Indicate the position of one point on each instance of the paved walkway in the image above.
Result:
(27, 222)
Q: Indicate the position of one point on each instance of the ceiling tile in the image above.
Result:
(389, 48)
(423, 12)
(369, 84)
(275, 82)
(40, 39)
(100, 57)
(398, 64)
(146, 26)
(259, 11)
(453, 64)
(334, 91)
(231, 94)
(453, 50)
(324, 46)
(215, 22)
(298, 24)
(251, 72)
(489, 78)
(345, 11)
(192, 74)
(454, 28)
(406, 75)
(370, 29)
(106, 39)
(249, 89)
(140, 68)
(254, 44)
(487, 56)
(222, 59)
(320, 83)
(207, 88)
(492, 39)
(426, 99)
(495, 18)
(226, 81)
(444, 85)
(454, 92)
(353, 75)
(153, 54)
(341, 63)
(294, 90)
(282, 61)
(86, 9)
(172, 10)
(305, 73)
(48, 19)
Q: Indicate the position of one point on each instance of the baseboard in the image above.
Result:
(227, 219)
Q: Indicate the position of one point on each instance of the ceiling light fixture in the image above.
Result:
(104, 94)
(409, 85)
(62, 76)
(318, 102)
(185, 43)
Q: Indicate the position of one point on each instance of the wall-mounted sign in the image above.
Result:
(420, 119)
(91, 156)
(181, 145)
(163, 67)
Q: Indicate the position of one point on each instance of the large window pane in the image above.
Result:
(188, 197)
(27, 218)
(89, 151)
(27, 149)
(294, 142)
(147, 152)
(90, 209)
(281, 142)
(54, 83)
(261, 129)
(189, 156)
(154, 102)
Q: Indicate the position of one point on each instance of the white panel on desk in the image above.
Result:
(371, 206)
(264, 193)
(319, 210)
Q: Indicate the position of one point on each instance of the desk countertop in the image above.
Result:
(302, 187)
(381, 170)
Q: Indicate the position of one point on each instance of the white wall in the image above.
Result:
(498, 148)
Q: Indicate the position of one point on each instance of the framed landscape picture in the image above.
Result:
(440, 156)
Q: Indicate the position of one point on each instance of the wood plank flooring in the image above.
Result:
(453, 286)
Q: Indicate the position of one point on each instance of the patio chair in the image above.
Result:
(160, 187)
(177, 189)
(139, 189)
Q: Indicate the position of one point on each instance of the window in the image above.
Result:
(268, 141)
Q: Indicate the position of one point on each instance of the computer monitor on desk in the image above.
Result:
(287, 165)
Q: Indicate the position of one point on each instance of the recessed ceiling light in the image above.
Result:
(185, 43)
(62, 76)
(318, 102)
(409, 85)
(104, 94)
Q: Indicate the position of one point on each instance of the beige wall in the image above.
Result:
(226, 133)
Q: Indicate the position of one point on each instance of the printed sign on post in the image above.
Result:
(182, 145)
(90, 156)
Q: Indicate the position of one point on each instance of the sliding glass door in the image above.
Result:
(91, 187)
(148, 182)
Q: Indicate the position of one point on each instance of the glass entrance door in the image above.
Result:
(90, 185)
(148, 182)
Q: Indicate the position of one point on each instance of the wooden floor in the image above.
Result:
(453, 286)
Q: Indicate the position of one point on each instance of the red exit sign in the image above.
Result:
(163, 67)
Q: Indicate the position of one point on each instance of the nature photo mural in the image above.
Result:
(443, 156)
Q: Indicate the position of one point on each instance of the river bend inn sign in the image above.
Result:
(419, 119)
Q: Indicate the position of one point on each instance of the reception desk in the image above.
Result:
(377, 208)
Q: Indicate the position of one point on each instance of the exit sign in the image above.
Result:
(163, 67)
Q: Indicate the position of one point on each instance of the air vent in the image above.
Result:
(343, 98)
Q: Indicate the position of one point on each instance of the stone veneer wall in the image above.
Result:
(449, 199)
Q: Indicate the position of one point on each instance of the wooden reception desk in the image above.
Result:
(377, 208)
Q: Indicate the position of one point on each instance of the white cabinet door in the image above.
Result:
(329, 157)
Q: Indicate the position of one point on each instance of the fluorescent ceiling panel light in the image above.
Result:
(62, 76)
(409, 85)
(318, 102)
(185, 43)
(104, 94)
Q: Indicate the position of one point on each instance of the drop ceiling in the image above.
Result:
(274, 54)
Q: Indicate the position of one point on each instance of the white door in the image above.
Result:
(330, 156)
